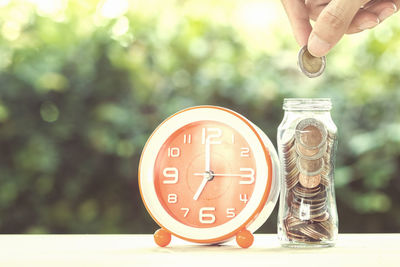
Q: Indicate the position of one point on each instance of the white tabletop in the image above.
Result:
(378, 250)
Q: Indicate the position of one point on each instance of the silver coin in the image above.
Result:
(310, 154)
(310, 167)
(311, 133)
(311, 66)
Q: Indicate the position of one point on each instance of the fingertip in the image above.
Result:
(302, 41)
(383, 9)
(387, 12)
(302, 32)
(395, 7)
(368, 24)
(317, 46)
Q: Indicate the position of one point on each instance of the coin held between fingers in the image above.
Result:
(311, 66)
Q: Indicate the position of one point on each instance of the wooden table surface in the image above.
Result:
(378, 250)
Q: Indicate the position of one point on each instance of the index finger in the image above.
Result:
(299, 19)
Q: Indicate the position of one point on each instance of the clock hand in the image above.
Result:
(207, 156)
(200, 189)
(221, 174)
(208, 176)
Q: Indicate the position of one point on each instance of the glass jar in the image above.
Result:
(307, 139)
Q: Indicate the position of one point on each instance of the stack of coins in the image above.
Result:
(308, 173)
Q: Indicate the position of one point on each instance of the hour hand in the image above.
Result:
(200, 189)
(208, 176)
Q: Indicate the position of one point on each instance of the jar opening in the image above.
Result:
(314, 104)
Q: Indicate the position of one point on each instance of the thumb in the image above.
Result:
(331, 25)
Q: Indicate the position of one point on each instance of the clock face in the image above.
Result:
(204, 174)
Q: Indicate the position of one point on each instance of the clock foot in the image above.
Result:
(162, 237)
(244, 238)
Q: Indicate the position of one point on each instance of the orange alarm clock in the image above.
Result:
(207, 175)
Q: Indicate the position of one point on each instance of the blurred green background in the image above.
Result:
(84, 83)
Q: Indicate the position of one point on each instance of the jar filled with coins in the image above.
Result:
(307, 139)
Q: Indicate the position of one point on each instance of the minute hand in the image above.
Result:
(223, 174)
(207, 156)
(249, 176)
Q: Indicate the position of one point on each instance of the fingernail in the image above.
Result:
(318, 47)
(387, 12)
(394, 7)
(368, 25)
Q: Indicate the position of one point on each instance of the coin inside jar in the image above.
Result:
(322, 218)
(306, 152)
(310, 153)
(311, 133)
(309, 181)
(302, 192)
(311, 66)
(310, 167)
(311, 136)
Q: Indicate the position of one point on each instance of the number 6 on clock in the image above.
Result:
(207, 175)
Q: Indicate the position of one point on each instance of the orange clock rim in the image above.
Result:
(262, 202)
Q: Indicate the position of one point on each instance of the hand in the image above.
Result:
(201, 187)
(208, 176)
(221, 174)
(207, 156)
(334, 18)
(207, 173)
